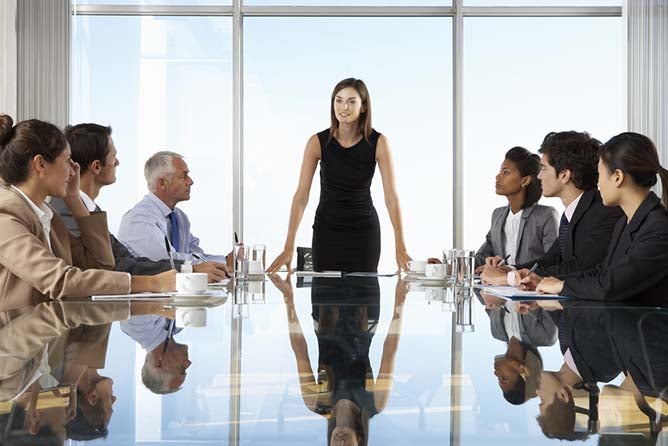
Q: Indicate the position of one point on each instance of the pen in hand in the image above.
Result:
(533, 268)
(169, 253)
(503, 261)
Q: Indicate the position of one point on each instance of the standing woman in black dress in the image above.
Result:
(346, 231)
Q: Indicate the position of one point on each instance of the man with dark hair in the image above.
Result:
(569, 170)
(93, 148)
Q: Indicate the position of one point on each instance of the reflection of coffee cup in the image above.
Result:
(435, 270)
(415, 286)
(255, 267)
(191, 283)
(190, 317)
(434, 294)
(417, 266)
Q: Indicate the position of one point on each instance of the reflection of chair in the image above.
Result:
(304, 263)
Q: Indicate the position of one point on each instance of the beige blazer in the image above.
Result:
(30, 273)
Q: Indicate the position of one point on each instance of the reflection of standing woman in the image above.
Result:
(346, 232)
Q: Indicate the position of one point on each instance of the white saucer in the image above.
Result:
(209, 302)
(180, 297)
(442, 281)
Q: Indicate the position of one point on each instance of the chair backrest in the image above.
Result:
(304, 259)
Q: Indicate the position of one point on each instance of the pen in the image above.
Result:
(236, 237)
(169, 252)
(198, 257)
(533, 268)
(504, 260)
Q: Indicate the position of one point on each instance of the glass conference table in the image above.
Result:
(301, 361)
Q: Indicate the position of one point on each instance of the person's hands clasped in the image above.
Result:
(402, 260)
(214, 270)
(284, 258)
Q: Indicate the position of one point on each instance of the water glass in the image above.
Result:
(464, 267)
(241, 256)
(260, 253)
(449, 262)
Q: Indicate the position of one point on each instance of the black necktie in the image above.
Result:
(563, 232)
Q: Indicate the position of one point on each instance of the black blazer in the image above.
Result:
(636, 266)
(589, 233)
(125, 260)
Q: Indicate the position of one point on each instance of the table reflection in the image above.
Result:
(387, 362)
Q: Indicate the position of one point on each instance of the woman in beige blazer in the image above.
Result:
(39, 258)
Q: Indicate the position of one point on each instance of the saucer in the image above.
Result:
(189, 297)
(442, 281)
(209, 302)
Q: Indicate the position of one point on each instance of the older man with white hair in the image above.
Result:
(144, 227)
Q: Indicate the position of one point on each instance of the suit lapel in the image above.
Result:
(625, 239)
(525, 216)
(498, 232)
(583, 205)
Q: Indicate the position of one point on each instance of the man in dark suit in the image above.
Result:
(568, 171)
(93, 148)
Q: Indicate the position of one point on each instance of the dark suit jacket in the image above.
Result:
(125, 261)
(636, 266)
(588, 237)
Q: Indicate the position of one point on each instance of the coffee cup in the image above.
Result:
(191, 283)
(435, 270)
(190, 317)
(417, 266)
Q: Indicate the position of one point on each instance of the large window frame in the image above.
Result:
(458, 11)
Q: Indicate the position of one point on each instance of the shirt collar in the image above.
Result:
(164, 209)
(44, 212)
(570, 209)
(87, 201)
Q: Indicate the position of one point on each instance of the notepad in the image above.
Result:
(514, 293)
(132, 296)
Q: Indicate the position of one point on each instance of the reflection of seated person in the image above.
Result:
(588, 359)
(144, 227)
(57, 344)
(522, 328)
(345, 315)
(165, 366)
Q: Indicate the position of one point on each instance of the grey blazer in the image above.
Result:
(539, 228)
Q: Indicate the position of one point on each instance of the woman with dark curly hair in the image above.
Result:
(523, 230)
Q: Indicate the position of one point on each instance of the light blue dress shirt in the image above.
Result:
(144, 228)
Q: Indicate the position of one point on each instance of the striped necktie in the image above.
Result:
(174, 231)
(563, 232)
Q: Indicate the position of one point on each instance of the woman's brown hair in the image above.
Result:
(364, 121)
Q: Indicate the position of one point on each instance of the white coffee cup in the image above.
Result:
(190, 317)
(435, 270)
(255, 267)
(191, 283)
(417, 266)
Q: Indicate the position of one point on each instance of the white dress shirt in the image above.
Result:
(570, 209)
(148, 330)
(511, 231)
(44, 214)
(87, 201)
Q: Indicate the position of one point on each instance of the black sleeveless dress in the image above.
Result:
(346, 231)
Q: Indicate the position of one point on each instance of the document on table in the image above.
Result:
(514, 293)
(133, 296)
(318, 274)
